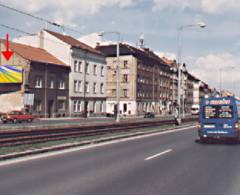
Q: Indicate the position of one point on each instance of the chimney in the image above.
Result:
(41, 39)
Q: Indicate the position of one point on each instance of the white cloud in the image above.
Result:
(210, 67)
(170, 56)
(93, 39)
(207, 6)
(66, 10)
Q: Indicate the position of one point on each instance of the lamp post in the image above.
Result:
(233, 83)
(220, 80)
(179, 61)
(117, 70)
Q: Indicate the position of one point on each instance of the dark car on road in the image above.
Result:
(149, 115)
(17, 117)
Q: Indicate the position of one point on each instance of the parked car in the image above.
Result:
(149, 115)
(195, 110)
(17, 117)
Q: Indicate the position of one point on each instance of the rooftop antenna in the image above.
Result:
(141, 40)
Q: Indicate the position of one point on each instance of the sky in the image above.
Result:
(211, 54)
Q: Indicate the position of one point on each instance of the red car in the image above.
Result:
(17, 117)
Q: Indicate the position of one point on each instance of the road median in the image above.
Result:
(13, 152)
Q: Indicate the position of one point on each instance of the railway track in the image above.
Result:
(29, 137)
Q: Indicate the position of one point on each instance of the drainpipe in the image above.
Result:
(84, 83)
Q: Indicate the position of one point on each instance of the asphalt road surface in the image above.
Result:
(168, 164)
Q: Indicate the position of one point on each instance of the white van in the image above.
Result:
(195, 109)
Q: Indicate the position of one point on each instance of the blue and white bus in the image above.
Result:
(219, 118)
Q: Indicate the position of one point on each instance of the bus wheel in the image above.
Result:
(202, 140)
(238, 140)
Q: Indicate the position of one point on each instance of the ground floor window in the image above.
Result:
(94, 107)
(101, 107)
(77, 106)
(38, 106)
(124, 107)
(61, 105)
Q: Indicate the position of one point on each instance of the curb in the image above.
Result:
(84, 143)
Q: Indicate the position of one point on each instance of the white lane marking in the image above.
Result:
(159, 154)
(76, 149)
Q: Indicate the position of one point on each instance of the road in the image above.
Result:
(168, 164)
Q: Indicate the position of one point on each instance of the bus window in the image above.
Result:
(238, 107)
(218, 111)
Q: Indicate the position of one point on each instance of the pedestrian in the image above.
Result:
(176, 116)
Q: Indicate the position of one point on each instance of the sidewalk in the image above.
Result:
(47, 123)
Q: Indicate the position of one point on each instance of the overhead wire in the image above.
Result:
(40, 18)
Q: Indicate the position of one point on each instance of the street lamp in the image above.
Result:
(179, 61)
(233, 83)
(117, 70)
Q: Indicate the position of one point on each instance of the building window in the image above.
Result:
(79, 106)
(87, 68)
(125, 78)
(102, 71)
(94, 107)
(95, 69)
(125, 64)
(114, 92)
(79, 66)
(38, 106)
(75, 66)
(51, 84)
(62, 105)
(61, 84)
(75, 106)
(80, 86)
(101, 88)
(38, 82)
(124, 107)
(95, 88)
(101, 106)
(87, 87)
(125, 93)
(75, 86)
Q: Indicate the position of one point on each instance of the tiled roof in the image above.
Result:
(125, 49)
(34, 54)
(74, 42)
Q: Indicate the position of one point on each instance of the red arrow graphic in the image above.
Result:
(7, 54)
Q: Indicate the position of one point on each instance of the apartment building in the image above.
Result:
(87, 79)
(43, 90)
(144, 83)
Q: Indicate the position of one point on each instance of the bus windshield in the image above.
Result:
(218, 112)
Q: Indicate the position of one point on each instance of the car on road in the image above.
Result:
(195, 109)
(149, 115)
(17, 117)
